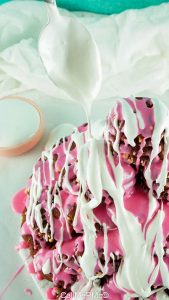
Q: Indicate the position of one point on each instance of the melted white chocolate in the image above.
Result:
(138, 271)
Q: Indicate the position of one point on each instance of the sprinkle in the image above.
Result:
(28, 292)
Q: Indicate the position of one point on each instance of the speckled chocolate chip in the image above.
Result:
(56, 213)
(131, 159)
(64, 256)
(99, 228)
(149, 103)
(117, 262)
(104, 280)
(166, 291)
(48, 277)
(164, 195)
(33, 248)
(79, 253)
(71, 214)
(61, 141)
(40, 235)
(55, 157)
(122, 138)
(121, 124)
(73, 278)
(73, 178)
(60, 284)
(73, 146)
(28, 239)
(144, 160)
(138, 139)
(44, 223)
(139, 98)
(23, 217)
(42, 210)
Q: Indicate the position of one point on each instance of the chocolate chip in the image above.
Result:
(139, 98)
(42, 210)
(104, 280)
(71, 214)
(23, 217)
(60, 284)
(61, 141)
(138, 139)
(144, 160)
(117, 262)
(121, 124)
(166, 291)
(33, 246)
(149, 103)
(56, 213)
(48, 277)
(73, 146)
(64, 256)
(44, 223)
(98, 227)
(88, 195)
(55, 157)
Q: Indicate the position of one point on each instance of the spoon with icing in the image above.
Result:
(71, 57)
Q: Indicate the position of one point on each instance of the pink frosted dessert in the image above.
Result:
(96, 216)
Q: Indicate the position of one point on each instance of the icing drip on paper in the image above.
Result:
(14, 277)
(28, 292)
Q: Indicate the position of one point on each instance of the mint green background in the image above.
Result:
(104, 6)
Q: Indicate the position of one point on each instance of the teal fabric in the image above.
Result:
(106, 6)
(3, 1)
(103, 6)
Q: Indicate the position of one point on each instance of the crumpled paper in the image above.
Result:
(134, 48)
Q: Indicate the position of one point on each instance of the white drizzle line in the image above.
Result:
(35, 193)
(130, 125)
(55, 268)
(138, 264)
(46, 269)
(161, 296)
(161, 116)
(49, 207)
(160, 251)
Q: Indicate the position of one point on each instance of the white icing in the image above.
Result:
(130, 126)
(59, 132)
(162, 296)
(19, 121)
(46, 268)
(35, 193)
(97, 129)
(138, 272)
(78, 68)
(140, 118)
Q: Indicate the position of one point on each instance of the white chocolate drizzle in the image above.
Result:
(137, 271)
